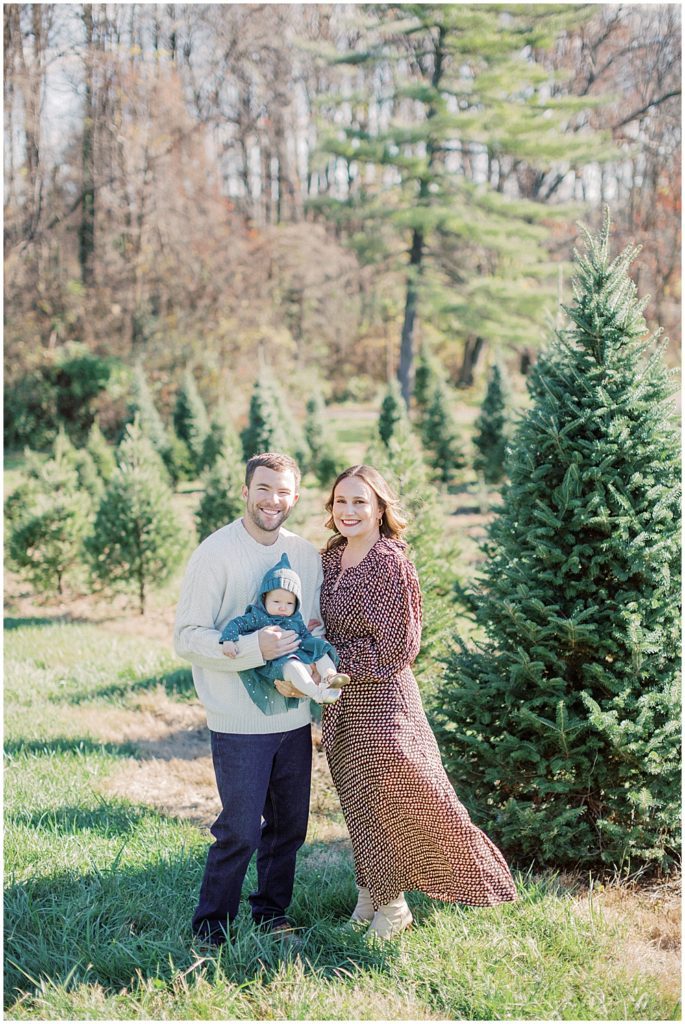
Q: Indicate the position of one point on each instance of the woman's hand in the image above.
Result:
(286, 689)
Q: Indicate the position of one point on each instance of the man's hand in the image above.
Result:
(286, 689)
(275, 642)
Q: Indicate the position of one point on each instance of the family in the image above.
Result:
(268, 624)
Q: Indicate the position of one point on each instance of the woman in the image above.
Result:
(408, 829)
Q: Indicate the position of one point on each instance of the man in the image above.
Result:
(262, 762)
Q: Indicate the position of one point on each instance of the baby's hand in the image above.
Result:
(230, 649)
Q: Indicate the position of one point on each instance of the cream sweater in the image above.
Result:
(221, 579)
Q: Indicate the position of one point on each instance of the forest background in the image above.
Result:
(329, 188)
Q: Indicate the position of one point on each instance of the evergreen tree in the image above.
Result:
(47, 519)
(460, 82)
(90, 483)
(179, 459)
(222, 441)
(428, 375)
(142, 407)
(101, 453)
(322, 459)
(393, 415)
(222, 501)
(266, 429)
(562, 727)
(440, 435)
(490, 440)
(137, 540)
(190, 419)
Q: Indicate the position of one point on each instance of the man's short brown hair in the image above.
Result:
(272, 460)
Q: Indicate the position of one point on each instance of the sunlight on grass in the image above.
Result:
(100, 890)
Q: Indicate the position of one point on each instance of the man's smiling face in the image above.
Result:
(270, 499)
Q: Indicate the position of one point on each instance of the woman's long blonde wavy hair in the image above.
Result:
(394, 520)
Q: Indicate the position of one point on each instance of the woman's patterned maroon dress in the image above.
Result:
(408, 829)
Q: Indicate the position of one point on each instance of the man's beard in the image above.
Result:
(269, 523)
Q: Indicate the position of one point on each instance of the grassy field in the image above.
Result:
(109, 792)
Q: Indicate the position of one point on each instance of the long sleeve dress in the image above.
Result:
(407, 826)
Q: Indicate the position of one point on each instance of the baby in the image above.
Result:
(280, 596)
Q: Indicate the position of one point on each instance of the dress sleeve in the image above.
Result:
(394, 607)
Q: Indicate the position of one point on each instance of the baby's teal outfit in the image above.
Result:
(259, 682)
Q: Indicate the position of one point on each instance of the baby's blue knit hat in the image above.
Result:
(282, 577)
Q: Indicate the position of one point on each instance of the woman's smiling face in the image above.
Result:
(356, 510)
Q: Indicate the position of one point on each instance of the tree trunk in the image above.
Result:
(472, 350)
(86, 233)
(405, 370)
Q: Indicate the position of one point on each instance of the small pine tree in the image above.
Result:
(266, 428)
(490, 440)
(90, 482)
(393, 415)
(137, 540)
(179, 459)
(190, 419)
(101, 453)
(440, 435)
(561, 728)
(322, 459)
(428, 374)
(222, 501)
(47, 519)
(142, 407)
(222, 441)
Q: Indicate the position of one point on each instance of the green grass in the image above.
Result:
(100, 890)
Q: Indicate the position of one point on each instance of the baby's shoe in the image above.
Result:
(337, 679)
(363, 912)
(329, 695)
(391, 919)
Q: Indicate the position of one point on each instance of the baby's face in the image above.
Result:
(280, 602)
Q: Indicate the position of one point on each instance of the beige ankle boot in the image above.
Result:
(391, 919)
(363, 912)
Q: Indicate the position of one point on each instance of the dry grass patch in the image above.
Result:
(647, 922)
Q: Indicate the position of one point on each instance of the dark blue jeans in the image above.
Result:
(258, 777)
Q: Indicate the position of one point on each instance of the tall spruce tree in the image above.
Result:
(137, 540)
(190, 419)
(561, 727)
(490, 439)
(462, 103)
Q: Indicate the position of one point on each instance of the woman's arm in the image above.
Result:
(394, 608)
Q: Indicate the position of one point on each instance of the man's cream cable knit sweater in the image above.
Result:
(222, 578)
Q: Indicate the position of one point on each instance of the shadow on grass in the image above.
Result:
(111, 926)
(177, 683)
(10, 623)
